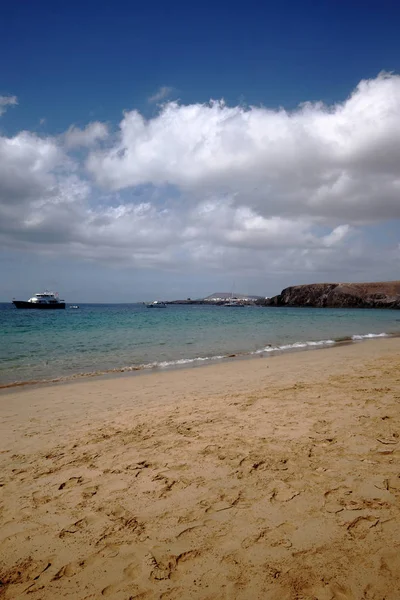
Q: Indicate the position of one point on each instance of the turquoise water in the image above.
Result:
(43, 345)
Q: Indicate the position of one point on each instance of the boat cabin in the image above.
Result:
(45, 298)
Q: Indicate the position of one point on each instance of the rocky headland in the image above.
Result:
(382, 294)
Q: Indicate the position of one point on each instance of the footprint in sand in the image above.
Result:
(110, 550)
(321, 427)
(132, 571)
(79, 525)
(138, 467)
(72, 482)
(251, 540)
(163, 565)
(90, 491)
(225, 503)
(121, 526)
(122, 517)
(68, 570)
(111, 590)
(38, 499)
(186, 431)
(169, 484)
(143, 595)
(341, 592)
(390, 563)
(170, 594)
(282, 492)
(336, 499)
(361, 526)
(192, 531)
(249, 465)
(72, 568)
(211, 449)
(27, 571)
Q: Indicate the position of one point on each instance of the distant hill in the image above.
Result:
(226, 295)
(380, 294)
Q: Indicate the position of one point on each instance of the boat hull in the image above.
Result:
(38, 306)
(233, 305)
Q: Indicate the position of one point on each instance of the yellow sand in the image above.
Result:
(274, 478)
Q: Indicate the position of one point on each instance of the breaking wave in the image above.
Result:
(182, 362)
(295, 346)
(368, 336)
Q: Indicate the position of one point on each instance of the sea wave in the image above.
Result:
(295, 346)
(368, 336)
(182, 362)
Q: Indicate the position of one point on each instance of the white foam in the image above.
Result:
(367, 336)
(268, 349)
(321, 343)
(295, 345)
(181, 361)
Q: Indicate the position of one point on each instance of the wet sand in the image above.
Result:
(274, 478)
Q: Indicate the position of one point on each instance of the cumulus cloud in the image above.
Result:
(339, 161)
(6, 101)
(162, 93)
(76, 137)
(208, 186)
(27, 162)
(37, 188)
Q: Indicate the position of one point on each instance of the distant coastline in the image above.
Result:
(220, 298)
(380, 294)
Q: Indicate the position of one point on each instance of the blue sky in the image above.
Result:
(79, 60)
(114, 218)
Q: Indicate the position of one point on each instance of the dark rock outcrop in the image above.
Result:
(340, 295)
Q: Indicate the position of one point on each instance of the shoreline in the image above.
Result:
(255, 479)
(182, 364)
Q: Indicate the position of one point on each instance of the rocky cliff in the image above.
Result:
(340, 295)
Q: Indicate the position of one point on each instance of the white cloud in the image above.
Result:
(26, 165)
(162, 93)
(37, 190)
(339, 161)
(209, 187)
(76, 137)
(6, 101)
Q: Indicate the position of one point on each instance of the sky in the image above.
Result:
(170, 150)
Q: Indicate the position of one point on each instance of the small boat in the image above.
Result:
(74, 306)
(43, 301)
(156, 304)
(233, 303)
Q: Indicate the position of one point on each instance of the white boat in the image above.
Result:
(156, 304)
(44, 301)
(234, 303)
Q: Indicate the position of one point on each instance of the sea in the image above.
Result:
(47, 346)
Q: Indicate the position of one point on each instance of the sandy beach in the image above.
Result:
(273, 478)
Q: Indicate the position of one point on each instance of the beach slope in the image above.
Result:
(272, 478)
